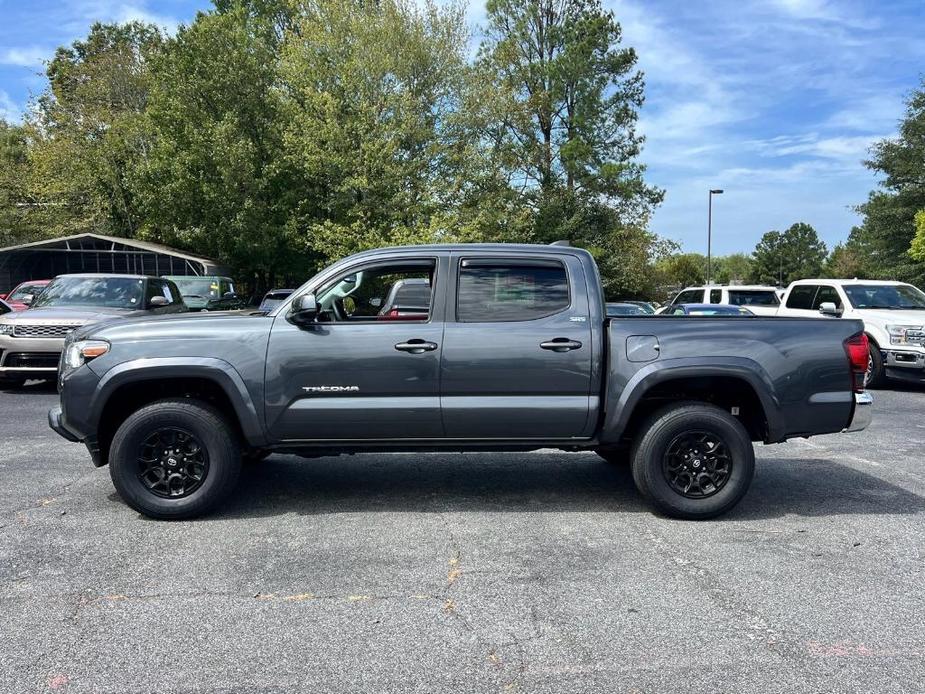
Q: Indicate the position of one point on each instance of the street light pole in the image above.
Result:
(713, 191)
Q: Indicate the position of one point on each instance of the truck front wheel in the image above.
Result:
(874, 376)
(175, 459)
(693, 461)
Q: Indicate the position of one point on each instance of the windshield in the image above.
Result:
(718, 310)
(753, 297)
(885, 296)
(110, 292)
(23, 289)
(625, 310)
(198, 287)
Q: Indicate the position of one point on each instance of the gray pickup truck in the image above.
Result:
(512, 351)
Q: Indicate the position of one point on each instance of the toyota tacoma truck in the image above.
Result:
(512, 352)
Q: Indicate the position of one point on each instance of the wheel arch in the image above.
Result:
(131, 385)
(735, 382)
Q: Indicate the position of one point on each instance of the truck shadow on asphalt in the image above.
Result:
(475, 482)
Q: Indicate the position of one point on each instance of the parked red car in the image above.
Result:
(30, 288)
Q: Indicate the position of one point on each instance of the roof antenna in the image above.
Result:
(561, 242)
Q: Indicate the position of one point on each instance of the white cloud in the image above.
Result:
(28, 56)
(849, 149)
(79, 14)
(10, 111)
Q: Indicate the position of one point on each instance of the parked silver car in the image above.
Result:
(31, 341)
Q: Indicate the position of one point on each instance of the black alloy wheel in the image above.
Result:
(697, 464)
(172, 463)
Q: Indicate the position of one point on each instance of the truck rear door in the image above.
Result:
(517, 348)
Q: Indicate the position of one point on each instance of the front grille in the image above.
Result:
(32, 360)
(42, 330)
(916, 337)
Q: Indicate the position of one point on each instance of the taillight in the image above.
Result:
(858, 350)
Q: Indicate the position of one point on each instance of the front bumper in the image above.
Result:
(56, 422)
(863, 412)
(29, 356)
(59, 425)
(904, 364)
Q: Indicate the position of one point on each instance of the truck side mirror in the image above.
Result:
(229, 295)
(304, 309)
(27, 299)
(828, 308)
(158, 301)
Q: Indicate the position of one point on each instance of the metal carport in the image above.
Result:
(96, 253)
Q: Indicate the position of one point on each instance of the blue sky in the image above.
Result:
(774, 101)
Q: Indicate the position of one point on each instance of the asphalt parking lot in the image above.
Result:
(539, 572)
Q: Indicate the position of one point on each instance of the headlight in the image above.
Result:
(906, 334)
(6, 329)
(79, 353)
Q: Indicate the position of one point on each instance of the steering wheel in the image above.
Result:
(337, 306)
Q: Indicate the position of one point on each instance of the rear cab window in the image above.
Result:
(753, 297)
(502, 290)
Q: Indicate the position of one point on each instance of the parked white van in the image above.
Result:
(760, 300)
(893, 315)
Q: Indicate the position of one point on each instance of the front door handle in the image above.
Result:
(560, 344)
(416, 346)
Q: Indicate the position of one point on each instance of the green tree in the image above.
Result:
(568, 98)
(736, 267)
(917, 248)
(847, 260)
(216, 180)
(797, 253)
(87, 134)
(16, 203)
(682, 270)
(371, 89)
(889, 223)
(556, 110)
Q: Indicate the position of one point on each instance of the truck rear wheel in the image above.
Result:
(175, 459)
(693, 461)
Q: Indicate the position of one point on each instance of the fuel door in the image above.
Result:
(642, 348)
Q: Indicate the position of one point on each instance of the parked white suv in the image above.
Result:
(760, 300)
(893, 315)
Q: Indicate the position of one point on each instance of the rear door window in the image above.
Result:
(496, 290)
(801, 297)
(716, 296)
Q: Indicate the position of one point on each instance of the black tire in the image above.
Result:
(207, 427)
(874, 378)
(658, 443)
(614, 456)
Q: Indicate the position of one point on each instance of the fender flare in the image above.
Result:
(216, 370)
(625, 399)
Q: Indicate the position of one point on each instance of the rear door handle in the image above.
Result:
(560, 344)
(416, 346)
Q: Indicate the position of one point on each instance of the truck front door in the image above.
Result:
(360, 372)
(517, 352)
